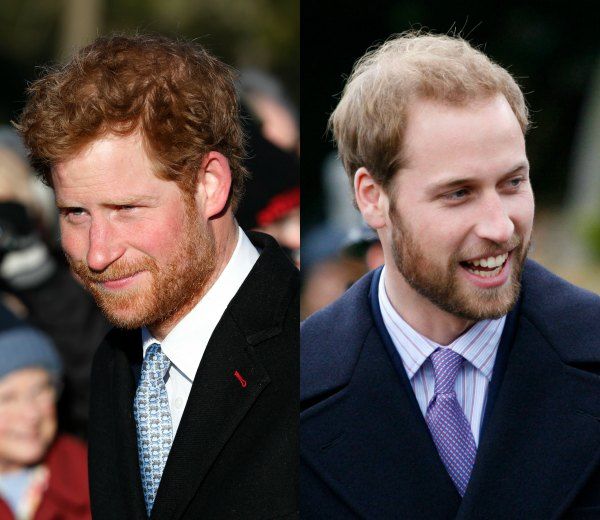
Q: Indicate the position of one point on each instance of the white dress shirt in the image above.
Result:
(186, 343)
(478, 345)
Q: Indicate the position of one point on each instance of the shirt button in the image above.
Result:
(179, 402)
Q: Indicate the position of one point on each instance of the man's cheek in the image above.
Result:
(74, 246)
(156, 240)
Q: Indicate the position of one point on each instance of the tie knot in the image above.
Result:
(155, 363)
(446, 364)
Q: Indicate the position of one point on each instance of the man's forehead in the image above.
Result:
(443, 138)
(106, 145)
(435, 115)
(119, 160)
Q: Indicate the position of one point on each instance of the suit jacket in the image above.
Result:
(235, 454)
(366, 451)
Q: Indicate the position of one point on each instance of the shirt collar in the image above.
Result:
(478, 345)
(186, 343)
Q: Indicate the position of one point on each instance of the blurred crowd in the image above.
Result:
(50, 327)
(43, 473)
(338, 250)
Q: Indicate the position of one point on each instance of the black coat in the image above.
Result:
(235, 454)
(366, 451)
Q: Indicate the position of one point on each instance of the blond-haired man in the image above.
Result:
(460, 380)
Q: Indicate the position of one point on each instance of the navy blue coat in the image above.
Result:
(366, 451)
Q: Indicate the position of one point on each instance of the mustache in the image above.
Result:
(494, 250)
(115, 271)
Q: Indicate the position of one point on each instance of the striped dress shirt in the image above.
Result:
(479, 346)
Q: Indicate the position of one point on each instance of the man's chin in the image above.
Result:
(126, 311)
(124, 319)
(485, 310)
(477, 303)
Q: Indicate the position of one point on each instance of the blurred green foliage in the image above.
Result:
(256, 33)
(591, 232)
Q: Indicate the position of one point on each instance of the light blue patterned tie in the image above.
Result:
(153, 420)
(449, 427)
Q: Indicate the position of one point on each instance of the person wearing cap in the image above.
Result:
(42, 475)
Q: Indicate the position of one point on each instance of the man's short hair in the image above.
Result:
(178, 96)
(370, 120)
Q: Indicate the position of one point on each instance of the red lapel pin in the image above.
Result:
(239, 377)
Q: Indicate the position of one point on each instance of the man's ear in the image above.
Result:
(213, 184)
(370, 199)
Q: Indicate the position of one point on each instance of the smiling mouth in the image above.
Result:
(120, 279)
(33, 436)
(486, 267)
(116, 283)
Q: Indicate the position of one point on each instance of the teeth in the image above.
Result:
(492, 261)
(486, 274)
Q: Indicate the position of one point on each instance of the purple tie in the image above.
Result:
(449, 427)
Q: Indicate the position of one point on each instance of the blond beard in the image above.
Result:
(440, 284)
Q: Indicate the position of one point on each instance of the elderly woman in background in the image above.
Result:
(42, 476)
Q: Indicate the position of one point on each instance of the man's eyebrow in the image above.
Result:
(450, 182)
(131, 200)
(64, 205)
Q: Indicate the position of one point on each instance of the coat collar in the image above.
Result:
(228, 381)
(370, 445)
(546, 419)
(366, 437)
(545, 423)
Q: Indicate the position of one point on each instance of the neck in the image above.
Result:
(420, 313)
(226, 238)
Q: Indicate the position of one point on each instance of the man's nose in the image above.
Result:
(494, 222)
(104, 245)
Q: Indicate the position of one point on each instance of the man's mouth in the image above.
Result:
(118, 283)
(486, 267)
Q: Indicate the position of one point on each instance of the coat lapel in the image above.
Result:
(372, 424)
(542, 438)
(128, 359)
(229, 378)
(217, 403)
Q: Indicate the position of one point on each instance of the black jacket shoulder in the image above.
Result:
(331, 339)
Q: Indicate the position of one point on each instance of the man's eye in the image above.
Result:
(516, 182)
(457, 195)
(73, 214)
(127, 209)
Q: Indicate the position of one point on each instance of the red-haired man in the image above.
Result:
(194, 393)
